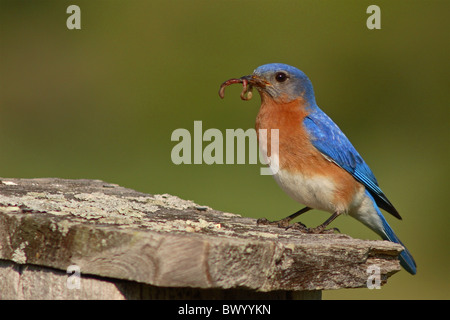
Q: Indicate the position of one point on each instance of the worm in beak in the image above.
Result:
(246, 93)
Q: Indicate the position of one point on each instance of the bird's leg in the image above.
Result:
(284, 223)
(321, 228)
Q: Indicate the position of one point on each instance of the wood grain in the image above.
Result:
(118, 235)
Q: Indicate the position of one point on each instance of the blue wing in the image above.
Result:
(330, 141)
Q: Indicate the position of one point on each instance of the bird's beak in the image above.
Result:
(255, 81)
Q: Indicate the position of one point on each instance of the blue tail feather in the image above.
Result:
(406, 259)
(386, 233)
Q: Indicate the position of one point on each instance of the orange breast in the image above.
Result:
(296, 153)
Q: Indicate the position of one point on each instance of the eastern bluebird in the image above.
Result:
(317, 164)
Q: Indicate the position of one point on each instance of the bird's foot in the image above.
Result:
(298, 226)
(322, 230)
(283, 223)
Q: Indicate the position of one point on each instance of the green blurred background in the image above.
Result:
(102, 102)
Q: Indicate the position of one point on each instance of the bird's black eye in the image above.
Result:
(281, 77)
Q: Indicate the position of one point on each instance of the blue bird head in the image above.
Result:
(282, 83)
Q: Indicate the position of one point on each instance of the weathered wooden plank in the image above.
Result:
(31, 282)
(162, 241)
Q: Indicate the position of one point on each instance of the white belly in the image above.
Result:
(317, 192)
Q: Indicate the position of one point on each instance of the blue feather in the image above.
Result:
(326, 136)
(406, 259)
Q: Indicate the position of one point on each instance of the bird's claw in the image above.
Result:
(283, 223)
(322, 230)
(298, 226)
